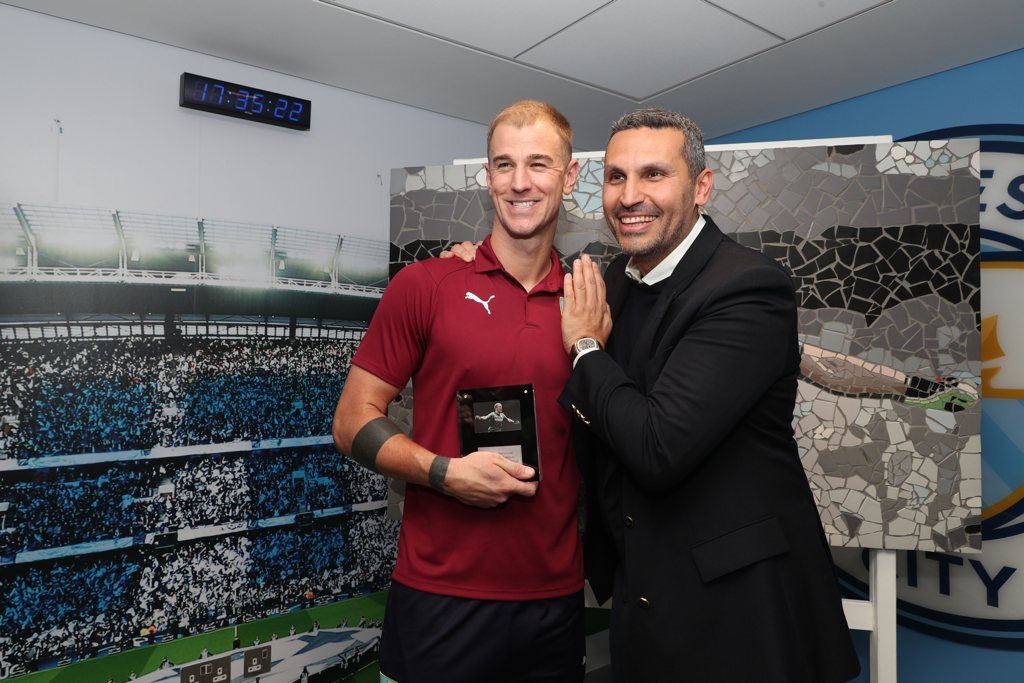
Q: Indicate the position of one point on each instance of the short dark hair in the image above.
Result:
(655, 117)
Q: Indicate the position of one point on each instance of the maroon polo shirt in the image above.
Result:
(430, 329)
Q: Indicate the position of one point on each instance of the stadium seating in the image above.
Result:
(79, 395)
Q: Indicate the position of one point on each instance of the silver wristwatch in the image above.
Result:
(581, 345)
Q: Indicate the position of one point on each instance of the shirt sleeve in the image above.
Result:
(394, 344)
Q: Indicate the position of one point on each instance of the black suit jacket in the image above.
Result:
(724, 573)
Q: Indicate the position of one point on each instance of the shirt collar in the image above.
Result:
(668, 264)
(487, 261)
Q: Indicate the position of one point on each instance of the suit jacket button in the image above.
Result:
(643, 603)
(628, 522)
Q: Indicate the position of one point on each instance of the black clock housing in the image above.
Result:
(244, 102)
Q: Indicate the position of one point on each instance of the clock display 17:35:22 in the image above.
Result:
(221, 97)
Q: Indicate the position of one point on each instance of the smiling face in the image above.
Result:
(650, 201)
(528, 171)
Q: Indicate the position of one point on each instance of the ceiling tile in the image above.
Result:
(893, 43)
(792, 18)
(640, 47)
(501, 28)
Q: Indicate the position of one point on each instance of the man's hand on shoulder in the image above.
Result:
(464, 250)
(485, 480)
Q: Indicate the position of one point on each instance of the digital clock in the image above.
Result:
(244, 102)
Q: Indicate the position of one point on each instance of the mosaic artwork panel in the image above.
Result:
(882, 242)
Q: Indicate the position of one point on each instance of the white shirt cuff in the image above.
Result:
(580, 355)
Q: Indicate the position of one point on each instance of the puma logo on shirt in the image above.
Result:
(486, 304)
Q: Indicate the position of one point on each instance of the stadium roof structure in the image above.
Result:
(73, 325)
(174, 236)
(43, 243)
(14, 246)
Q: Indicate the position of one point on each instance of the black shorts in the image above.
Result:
(429, 638)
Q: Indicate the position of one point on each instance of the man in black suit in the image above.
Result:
(700, 518)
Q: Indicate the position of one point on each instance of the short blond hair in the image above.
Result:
(526, 113)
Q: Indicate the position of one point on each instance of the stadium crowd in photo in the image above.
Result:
(74, 396)
(164, 507)
(166, 468)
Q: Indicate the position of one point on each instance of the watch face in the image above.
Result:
(586, 345)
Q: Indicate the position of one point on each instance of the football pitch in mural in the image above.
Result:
(882, 241)
(171, 504)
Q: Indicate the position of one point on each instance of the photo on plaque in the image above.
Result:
(501, 420)
(497, 416)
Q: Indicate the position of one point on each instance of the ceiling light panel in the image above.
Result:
(641, 47)
(792, 18)
(502, 28)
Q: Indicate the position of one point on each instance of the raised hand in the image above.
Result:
(586, 312)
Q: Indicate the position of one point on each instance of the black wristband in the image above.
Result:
(370, 438)
(437, 473)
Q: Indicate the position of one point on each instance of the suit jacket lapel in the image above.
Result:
(692, 263)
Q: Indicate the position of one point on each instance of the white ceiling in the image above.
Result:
(730, 64)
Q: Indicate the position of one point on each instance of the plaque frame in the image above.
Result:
(514, 436)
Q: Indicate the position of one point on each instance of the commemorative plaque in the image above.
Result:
(502, 420)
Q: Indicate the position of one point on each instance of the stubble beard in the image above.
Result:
(640, 250)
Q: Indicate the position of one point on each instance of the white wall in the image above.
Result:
(126, 144)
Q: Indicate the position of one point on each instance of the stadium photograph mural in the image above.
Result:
(171, 504)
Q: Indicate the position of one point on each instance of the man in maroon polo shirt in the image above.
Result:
(489, 578)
